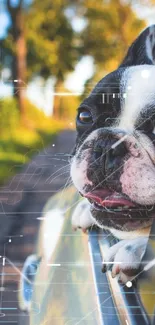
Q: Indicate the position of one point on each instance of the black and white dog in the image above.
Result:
(113, 166)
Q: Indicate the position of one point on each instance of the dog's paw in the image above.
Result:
(81, 217)
(124, 258)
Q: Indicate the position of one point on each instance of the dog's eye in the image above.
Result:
(85, 117)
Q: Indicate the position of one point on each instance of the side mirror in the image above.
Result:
(29, 271)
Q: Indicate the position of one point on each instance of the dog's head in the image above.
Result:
(114, 159)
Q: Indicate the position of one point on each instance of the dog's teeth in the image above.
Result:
(98, 204)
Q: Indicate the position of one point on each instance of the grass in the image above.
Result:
(20, 146)
(19, 143)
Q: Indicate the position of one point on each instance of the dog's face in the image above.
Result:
(114, 159)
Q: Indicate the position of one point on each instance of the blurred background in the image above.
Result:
(52, 53)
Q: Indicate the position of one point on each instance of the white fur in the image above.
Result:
(79, 172)
(141, 94)
(130, 234)
(81, 217)
(125, 255)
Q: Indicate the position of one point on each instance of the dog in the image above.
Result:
(113, 163)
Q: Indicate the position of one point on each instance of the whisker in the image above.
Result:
(57, 171)
(66, 171)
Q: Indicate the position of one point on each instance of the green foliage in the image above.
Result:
(68, 105)
(50, 40)
(9, 114)
(18, 143)
(111, 27)
(53, 46)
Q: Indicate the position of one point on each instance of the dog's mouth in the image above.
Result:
(105, 200)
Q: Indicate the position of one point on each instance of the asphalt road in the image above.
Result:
(22, 201)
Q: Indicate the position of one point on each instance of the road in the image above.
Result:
(22, 201)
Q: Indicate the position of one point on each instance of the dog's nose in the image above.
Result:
(114, 156)
(110, 155)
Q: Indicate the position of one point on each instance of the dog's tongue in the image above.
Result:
(108, 199)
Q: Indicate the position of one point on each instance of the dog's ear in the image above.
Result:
(142, 50)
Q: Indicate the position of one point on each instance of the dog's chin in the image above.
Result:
(116, 210)
(123, 220)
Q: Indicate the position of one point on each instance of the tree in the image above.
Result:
(42, 36)
(18, 51)
(52, 49)
(111, 27)
(53, 46)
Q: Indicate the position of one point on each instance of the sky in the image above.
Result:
(41, 95)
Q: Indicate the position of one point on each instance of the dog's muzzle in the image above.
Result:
(109, 150)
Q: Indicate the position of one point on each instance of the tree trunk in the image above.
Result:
(57, 99)
(19, 59)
